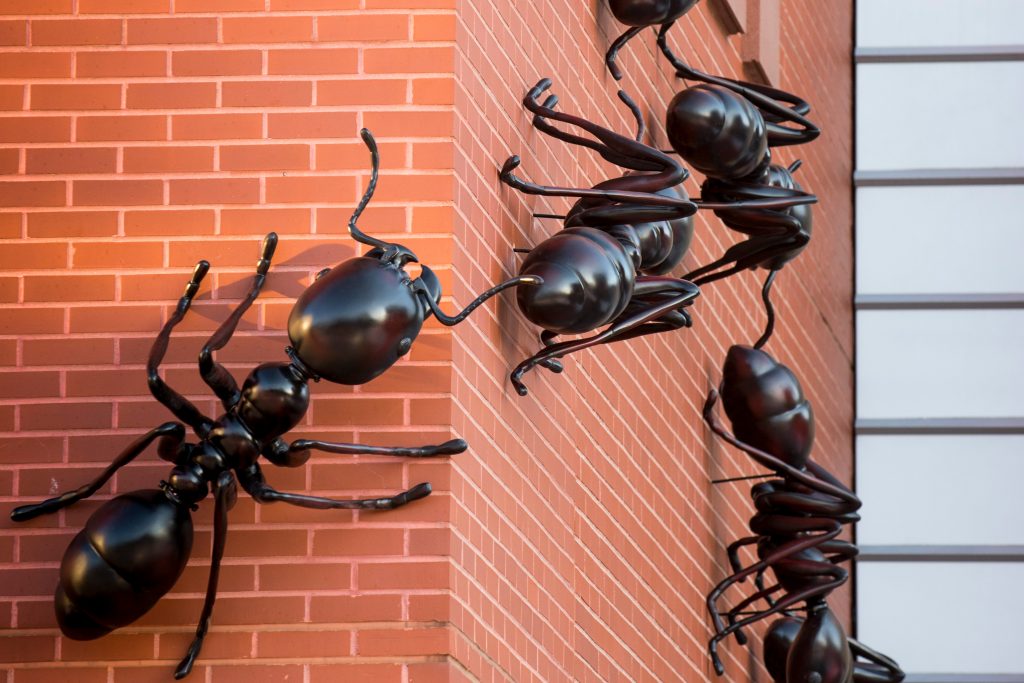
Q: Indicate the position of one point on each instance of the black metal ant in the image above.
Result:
(725, 129)
(602, 267)
(349, 326)
(638, 15)
(799, 517)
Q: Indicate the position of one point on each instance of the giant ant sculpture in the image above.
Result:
(349, 326)
(594, 279)
(726, 129)
(800, 515)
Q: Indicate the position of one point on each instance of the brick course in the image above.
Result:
(578, 535)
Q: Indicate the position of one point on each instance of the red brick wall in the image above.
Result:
(137, 137)
(579, 534)
(585, 531)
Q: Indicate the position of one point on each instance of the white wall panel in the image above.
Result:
(940, 363)
(927, 23)
(937, 240)
(940, 115)
(956, 617)
(940, 490)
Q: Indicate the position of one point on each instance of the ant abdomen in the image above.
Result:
(719, 133)
(588, 281)
(649, 12)
(130, 553)
(766, 405)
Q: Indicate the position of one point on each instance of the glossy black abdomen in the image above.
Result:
(588, 281)
(130, 553)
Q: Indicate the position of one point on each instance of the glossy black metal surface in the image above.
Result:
(351, 325)
(801, 511)
(614, 278)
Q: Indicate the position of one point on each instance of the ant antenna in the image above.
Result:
(795, 165)
(356, 233)
(641, 127)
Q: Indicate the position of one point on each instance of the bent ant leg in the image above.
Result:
(214, 374)
(733, 552)
(613, 51)
(885, 670)
(171, 435)
(616, 148)
(683, 208)
(226, 495)
(766, 98)
(547, 338)
(282, 454)
(256, 486)
(762, 593)
(182, 408)
(685, 293)
(808, 568)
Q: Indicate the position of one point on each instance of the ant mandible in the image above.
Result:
(800, 515)
(621, 227)
(349, 326)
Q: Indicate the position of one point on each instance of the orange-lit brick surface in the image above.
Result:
(577, 537)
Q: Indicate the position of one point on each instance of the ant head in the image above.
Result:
(766, 405)
(719, 133)
(357, 320)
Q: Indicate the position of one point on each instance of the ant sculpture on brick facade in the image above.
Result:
(800, 515)
(725, 129)
(605, 265)
(353, 323)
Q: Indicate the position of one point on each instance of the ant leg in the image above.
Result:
(810, 568)
(759, 584)
(734, 613)
(688, 292)
(641, 126)
(882, 670)
(182, 408)
(684, 208)
(284, 455)
(619, 214)
(785, 238)
(226, 494)
(765, 98)
(839, 551)
(547, 338)
(616, 148)
(256, 486)
(810, 478)
(829, 529)
(734, 549)
(214, 374)
(769, 310)
(613, 51)
(171, 435)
